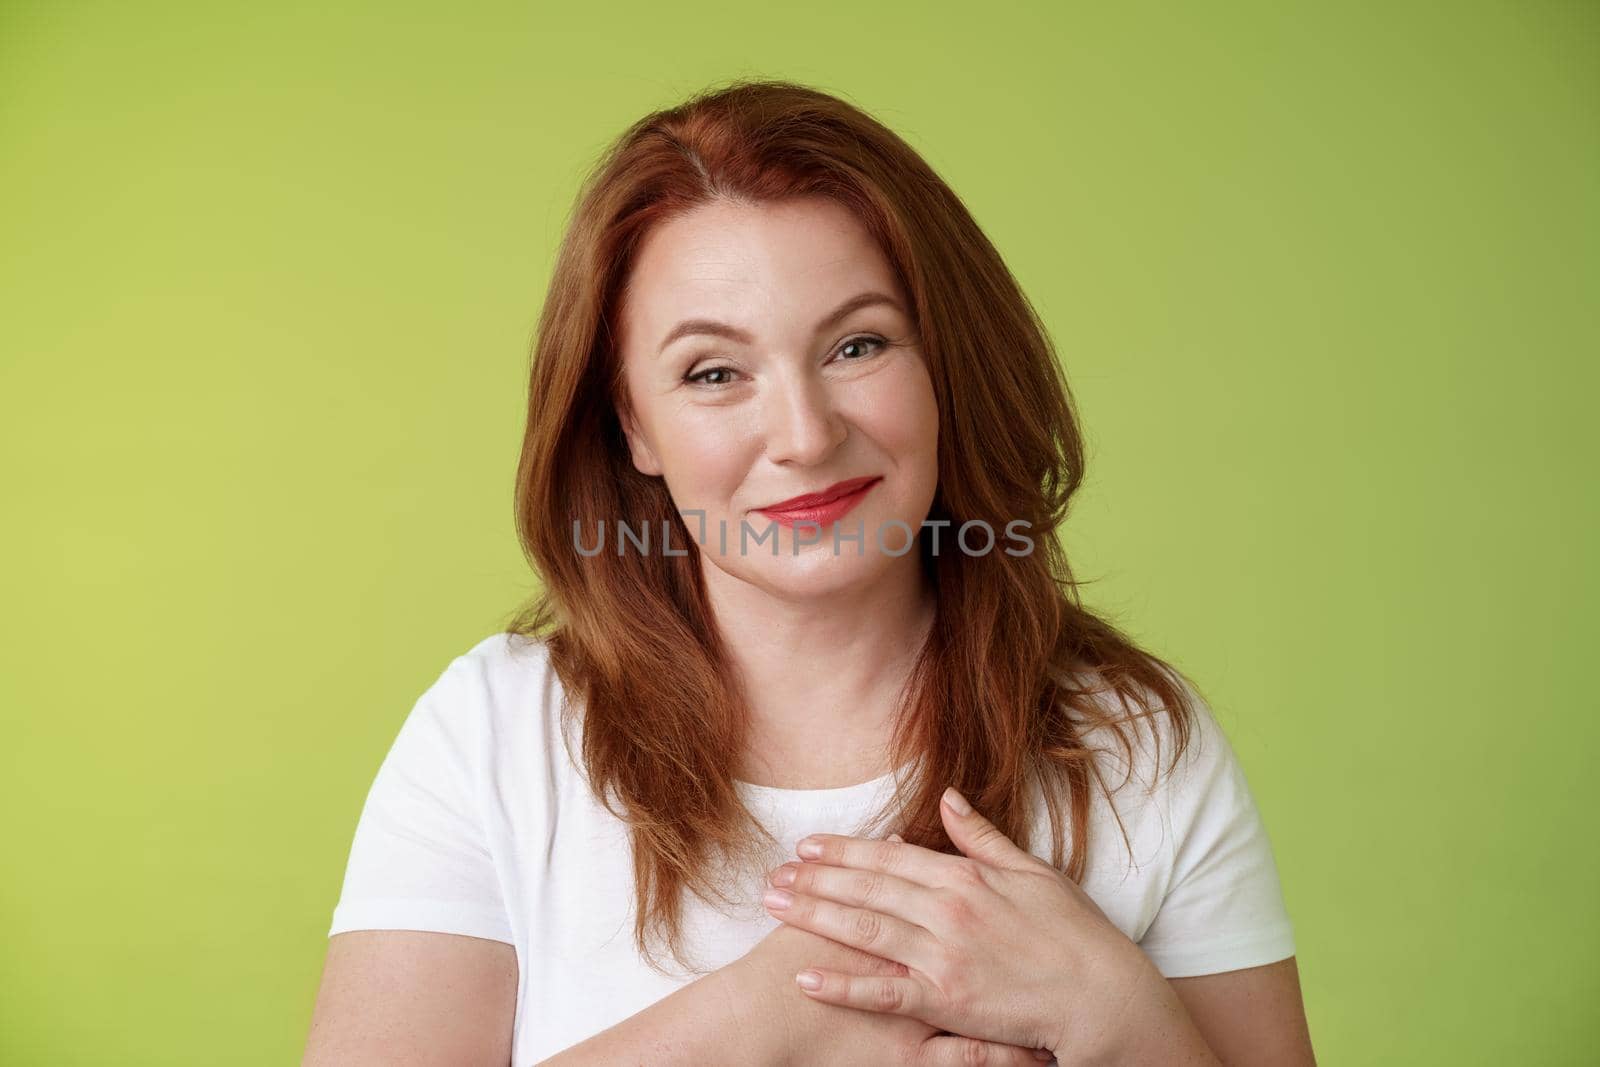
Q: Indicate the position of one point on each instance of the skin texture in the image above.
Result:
(804, 1032)
(1253, 1017)
(407, 998)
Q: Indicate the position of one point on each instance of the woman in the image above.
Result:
(796, 452)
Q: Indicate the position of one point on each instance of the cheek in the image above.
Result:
(703, 454)
(899, 412)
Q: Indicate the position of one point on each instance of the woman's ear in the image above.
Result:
(644, 457)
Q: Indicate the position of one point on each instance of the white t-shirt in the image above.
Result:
(479, 822)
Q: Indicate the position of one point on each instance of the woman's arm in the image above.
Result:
(751, 1012)
(1251, 1016)
(721, 1018)
(412, 998)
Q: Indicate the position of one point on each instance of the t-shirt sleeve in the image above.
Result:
(420, 858)
(1223, 909)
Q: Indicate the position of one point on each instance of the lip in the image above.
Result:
(812, 500)
(823, 508)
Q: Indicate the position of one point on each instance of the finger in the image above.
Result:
(870, 891)
(855, 961)
(979, 838)
(871, 931)
(956, 1051)
(880, 993)
(911, 862)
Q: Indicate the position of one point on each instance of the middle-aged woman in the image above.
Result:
(809, 692)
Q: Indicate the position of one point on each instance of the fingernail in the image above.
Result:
(809, 980)
(957, 802)
(777, 899)
(809, 849)
(783, 875)
(897, 837)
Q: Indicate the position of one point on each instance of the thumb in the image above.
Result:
(954, 1050)
(974, 835)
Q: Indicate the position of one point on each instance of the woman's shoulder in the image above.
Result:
(505, 661)
(1145, 748)
(509, 658)
(501, 691)
(468, 782)
(1198, 886)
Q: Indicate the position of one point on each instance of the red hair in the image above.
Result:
(994, 700)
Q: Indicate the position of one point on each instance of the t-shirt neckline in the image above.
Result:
(842, 796)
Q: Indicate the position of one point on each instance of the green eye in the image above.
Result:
(875, 342)
(699, 377)
(709, 378)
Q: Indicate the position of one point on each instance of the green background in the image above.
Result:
(1322, 276)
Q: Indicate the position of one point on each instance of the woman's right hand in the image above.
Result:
(813, 1033)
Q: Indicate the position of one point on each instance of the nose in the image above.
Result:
(803, 425)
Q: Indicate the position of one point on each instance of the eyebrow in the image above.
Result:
(712, 328)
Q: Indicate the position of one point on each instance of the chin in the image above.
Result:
(816, 572)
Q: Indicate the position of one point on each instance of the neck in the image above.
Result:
(822, 675)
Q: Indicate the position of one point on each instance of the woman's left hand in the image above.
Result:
(996, 943)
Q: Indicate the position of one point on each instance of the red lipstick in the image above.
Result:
(823, 507)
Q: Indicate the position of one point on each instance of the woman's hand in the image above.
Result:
(811, 1033)
(998, 944)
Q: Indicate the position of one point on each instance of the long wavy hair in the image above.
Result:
(1014, 670)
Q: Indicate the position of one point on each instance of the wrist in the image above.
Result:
(758, 1014)
(1152, 1026)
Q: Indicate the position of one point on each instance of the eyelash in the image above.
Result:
(867, 338)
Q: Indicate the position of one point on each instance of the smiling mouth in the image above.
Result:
(811, 501)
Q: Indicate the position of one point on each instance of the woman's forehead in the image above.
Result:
(728, 262)
(725, 243)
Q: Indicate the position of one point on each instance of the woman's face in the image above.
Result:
(759, 367)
